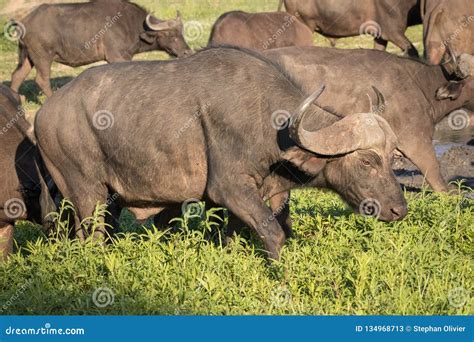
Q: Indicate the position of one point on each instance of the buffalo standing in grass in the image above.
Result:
(260, 31)
(386, 20)
(205, 131)
(84, 33)
(448, 29)
(21, 183)
(418, 95)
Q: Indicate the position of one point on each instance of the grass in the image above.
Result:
(337, 263)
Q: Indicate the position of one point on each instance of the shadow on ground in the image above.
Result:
(33, 93)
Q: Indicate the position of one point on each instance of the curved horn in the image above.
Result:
(158, 25)
(353, 132)
(379, 107)
(296, 129)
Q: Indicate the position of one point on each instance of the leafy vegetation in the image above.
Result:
(337, 263)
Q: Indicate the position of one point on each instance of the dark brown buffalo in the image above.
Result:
(447, 25)
(260, 31)
(161, 143)
(418, 95)
(20, 184)
(82, 33)
(386, 20)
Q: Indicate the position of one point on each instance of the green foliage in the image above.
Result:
(337, 263)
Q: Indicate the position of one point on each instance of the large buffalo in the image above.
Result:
(386, 20)
(447, 25)
(209, 130)
(20, 178)
(260, 31)
(418, 95)
(83, 33)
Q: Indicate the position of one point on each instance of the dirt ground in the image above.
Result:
(456, 164)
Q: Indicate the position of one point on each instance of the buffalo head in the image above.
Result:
(358, 152)
(167, 35)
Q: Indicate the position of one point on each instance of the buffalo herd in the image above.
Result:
(257, 113)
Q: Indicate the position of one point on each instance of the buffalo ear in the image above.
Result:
(148, 37)
(450, 91)
(304, 161)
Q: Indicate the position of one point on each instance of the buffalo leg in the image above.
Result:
(250, 208)
(6, 241)
(380, 44)
(43, 71)
(403, 43)
(20, 74)
(85, 196)
(280, 205)
(424, 157)
(112, 220)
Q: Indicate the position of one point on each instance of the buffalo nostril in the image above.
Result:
(399, 212)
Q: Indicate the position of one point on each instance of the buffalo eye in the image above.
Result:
(365, 162)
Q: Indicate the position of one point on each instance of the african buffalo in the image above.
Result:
(156, 145)
(260, 31)
(386, 20)
(418, 95)
(447, 25)
(83, 33)
(21, 184)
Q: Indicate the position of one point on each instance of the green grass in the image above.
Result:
(337, 263)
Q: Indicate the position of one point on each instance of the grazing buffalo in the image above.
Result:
(386, 20)
(20, 183)
(260, 31)
(418, 95)
(83, 33)
(447, 25)
(158, 144)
